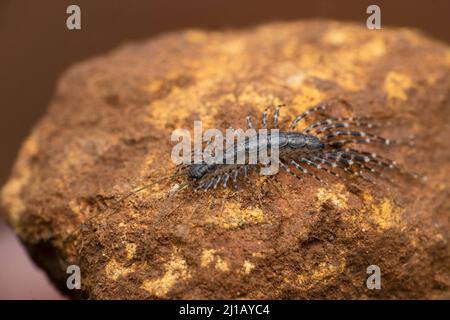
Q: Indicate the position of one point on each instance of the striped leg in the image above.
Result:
(304, 170)
(345, 165)
(365, 137)
(356, 162)
(380, 161)
(360, 161)
(342, 142)
(286, 168)
(245, 171)
(250, 168)
(330, 125)
(264, 120)
(370, 157)
(225, 180)
(276, 116)
(207, 184)
(321, 164)
(306, 113)
(316, 108)
(249, 122)
(235, 176)
(216, 182)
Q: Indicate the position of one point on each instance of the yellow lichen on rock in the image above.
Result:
(175, 270)
(207, 257)
(385, 214)
(324, 273)
(373, 49)
(309, 97)
(234, 216)
(222, 265)
(114, 270)
(273, 237)
(130, 249)
(336, 195)
(210, 256)
(247, 267)
(396, 85)
(375, 215)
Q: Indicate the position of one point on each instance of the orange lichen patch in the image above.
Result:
(222, 265)
(396, 85)
(207, 257)
(261, 181)
(359, 221)
(336, 195)
(385, 214)
(175, 270)
(309, 97)
(258, 254)
(355, 45)
(210, 256)
(247, 267)
(373, 49)
(367, 198)
(234, 216)
(114, 270)
(381, 214)
(325, 272)
(130, 249)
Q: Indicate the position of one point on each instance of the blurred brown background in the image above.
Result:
(36, 47)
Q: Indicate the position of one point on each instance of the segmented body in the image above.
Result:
(322, 146)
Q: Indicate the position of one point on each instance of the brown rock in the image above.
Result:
(108, 130)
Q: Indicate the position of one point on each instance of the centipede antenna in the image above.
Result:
(129, 194)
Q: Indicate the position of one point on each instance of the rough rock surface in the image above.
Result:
(108, 130)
